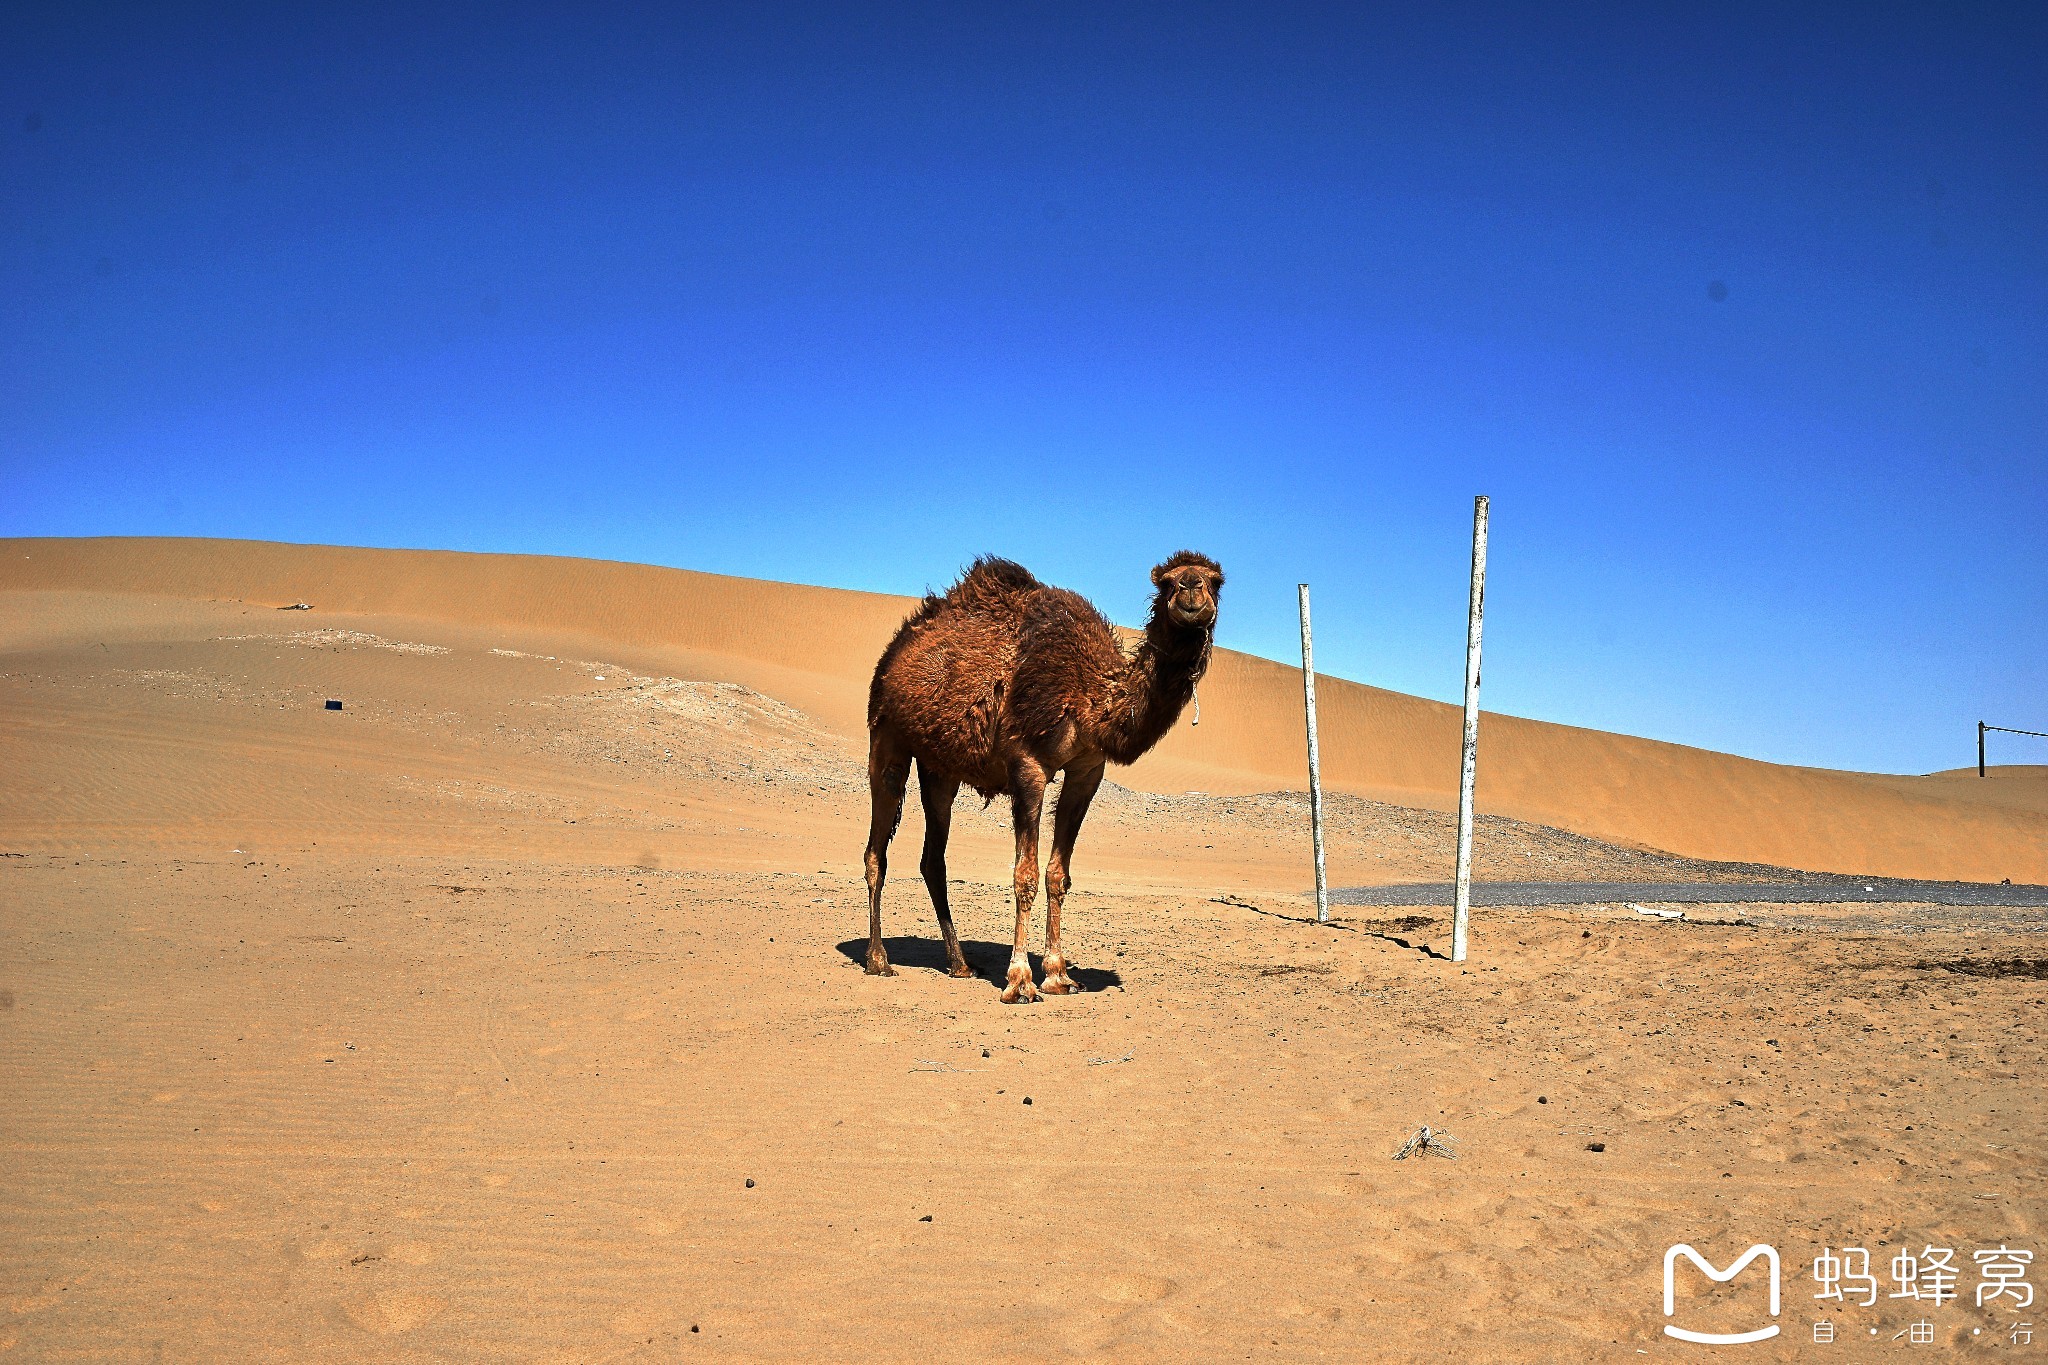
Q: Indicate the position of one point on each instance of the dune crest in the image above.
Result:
(813, 648)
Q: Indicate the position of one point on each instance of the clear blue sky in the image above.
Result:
(1740, 314)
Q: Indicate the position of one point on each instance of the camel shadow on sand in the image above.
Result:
(990, 961)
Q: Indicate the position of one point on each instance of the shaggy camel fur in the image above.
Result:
(998, 685)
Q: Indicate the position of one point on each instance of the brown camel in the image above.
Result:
(1000, 684)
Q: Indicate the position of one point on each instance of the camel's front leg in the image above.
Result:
(1027, 799)
(1066, 826)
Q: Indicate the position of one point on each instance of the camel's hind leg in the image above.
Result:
(1075, 795)
(888, 771)
(937, 794)
(1027, 800)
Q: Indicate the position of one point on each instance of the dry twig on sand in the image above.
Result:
(1428, 1141)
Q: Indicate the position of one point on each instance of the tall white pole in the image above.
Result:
(1315, 765)
(1470, 769)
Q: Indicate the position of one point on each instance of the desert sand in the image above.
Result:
(513, 1010)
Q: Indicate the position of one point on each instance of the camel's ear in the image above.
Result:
(1158, 575)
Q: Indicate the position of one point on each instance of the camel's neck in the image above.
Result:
(1156, 685)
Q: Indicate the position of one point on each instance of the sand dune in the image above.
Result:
(514, 1010)
(814, 647)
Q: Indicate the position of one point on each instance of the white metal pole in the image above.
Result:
(1470, 769)
(1315, 766)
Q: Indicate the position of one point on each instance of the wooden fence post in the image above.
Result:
(1468, 773)
(1315, 767)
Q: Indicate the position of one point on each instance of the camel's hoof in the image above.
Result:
(1020, 991)
(879, 966)
(962, 970)
(1061, 985)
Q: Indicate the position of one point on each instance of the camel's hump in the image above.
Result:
(992, 584)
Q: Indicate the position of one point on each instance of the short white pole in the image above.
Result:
(1315, 765)
(1470, 769)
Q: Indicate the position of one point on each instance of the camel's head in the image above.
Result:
(1189, 586)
